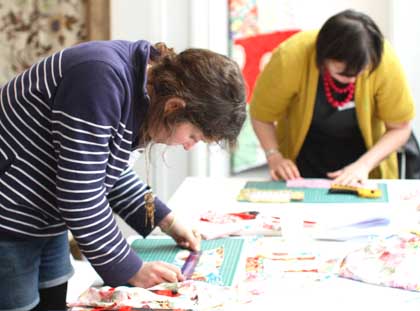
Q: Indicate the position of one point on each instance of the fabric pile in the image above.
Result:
(188, 295)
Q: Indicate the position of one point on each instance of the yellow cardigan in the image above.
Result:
(286, 89)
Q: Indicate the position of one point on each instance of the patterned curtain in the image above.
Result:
(32, 29)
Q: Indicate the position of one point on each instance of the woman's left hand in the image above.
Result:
(183, 235)
(353, 173)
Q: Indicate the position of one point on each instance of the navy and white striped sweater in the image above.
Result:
(67, 127)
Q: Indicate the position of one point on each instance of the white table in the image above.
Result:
(197, 195)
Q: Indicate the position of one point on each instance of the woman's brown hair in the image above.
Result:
(209, 83)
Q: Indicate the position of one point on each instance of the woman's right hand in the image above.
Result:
(282, 168)
(156, 272)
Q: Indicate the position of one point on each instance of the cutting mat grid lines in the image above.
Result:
(162, 249)
(318, 195)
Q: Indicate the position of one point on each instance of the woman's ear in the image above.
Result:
(174, 104)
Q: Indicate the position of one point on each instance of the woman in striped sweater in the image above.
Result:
(67, 127)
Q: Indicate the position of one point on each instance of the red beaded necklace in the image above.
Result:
(329, 84)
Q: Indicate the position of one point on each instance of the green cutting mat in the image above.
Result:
(153, 249)
(316, 195)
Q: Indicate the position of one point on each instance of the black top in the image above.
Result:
(334, 139)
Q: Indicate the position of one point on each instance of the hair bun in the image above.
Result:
(163, 50)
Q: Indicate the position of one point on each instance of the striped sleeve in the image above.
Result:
(127, 200)
(89, 140)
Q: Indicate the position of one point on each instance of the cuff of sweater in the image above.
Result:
(118, 273)
(161, 210)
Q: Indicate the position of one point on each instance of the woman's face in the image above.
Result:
(185, 134)
(336, 68)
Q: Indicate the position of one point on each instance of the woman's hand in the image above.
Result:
(183, 236)
(354, 173)
(282, 168)
(156, 272)
(395, 136)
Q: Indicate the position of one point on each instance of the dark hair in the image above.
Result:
(350, 37)
(212, 87)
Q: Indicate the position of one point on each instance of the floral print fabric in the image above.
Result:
(392, 262)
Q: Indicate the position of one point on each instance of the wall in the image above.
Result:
(404, 33)
(307, 14)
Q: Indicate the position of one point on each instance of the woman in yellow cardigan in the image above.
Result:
(333, 104)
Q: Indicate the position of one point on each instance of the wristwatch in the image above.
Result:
(270, 152)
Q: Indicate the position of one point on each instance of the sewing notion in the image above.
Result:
(361, 191)
(190, 264)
